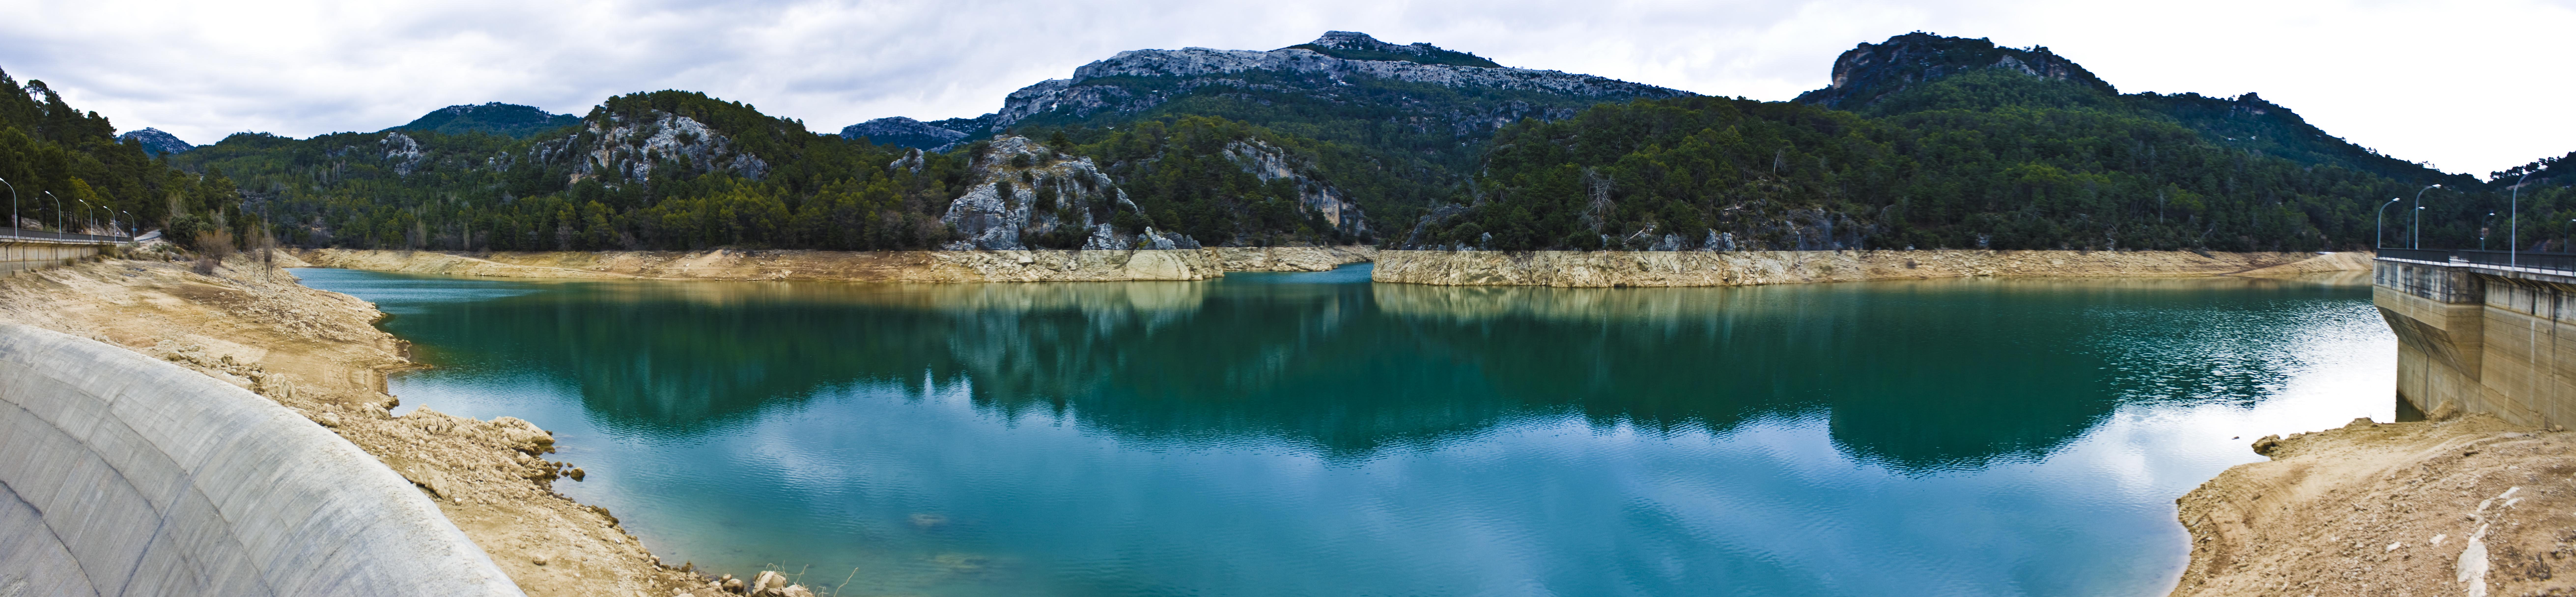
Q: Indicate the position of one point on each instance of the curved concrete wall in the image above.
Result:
(121, 475)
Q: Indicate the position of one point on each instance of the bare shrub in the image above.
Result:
(212, 247)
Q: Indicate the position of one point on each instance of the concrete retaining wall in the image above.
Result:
(125, 476)
(16, 256)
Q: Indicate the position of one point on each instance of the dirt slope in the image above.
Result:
(2466, 507)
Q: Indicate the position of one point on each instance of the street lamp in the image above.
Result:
(2379, 232)
(2418, 226)
(133, 227)
(2513, 231)
(86, 214)
(58, 212)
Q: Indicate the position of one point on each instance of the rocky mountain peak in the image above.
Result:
(155, 141)
(1354, 45)
(904, 132)
(1872, 71)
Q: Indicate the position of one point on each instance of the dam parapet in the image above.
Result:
(2482, 332)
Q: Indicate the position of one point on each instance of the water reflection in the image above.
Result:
(1917, 375)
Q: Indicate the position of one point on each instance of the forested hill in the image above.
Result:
(1416, 112)
(1921, 141)
(1871, 79)
(1307, 144)
(1947, 143)
(667, 169)
(66, 169)
(495, 118)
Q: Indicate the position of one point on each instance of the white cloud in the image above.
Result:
(2462, 85)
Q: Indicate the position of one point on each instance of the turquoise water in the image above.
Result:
(1316, 434)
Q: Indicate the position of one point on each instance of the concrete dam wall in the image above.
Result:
(2479, 338)
(121, 475)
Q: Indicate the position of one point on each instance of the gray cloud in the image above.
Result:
(2447, 83)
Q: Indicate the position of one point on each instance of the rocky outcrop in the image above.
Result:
(1745, 268)
(155, 142)
(1267, 163)
(903, 132)
(1872, 71)
(1022, 195)
(404, 152)
(629, 148)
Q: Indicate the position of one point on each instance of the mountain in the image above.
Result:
(1940, 142)
(1921, 140)
(1873, 78)
(155, 142)
(1416, 113)
(495, 118)
(903, 132)
(1867, 74)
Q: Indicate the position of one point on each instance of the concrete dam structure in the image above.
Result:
(2482, 331)
(121, 475)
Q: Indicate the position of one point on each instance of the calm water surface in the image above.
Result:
(1315, 434)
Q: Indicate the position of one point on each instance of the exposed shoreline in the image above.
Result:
(2472, 506)
(1598, 269)
(855, 266)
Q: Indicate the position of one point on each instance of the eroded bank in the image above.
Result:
(856, 266)
(1600, 269)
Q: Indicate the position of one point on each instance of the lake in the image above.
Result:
(1317, 434)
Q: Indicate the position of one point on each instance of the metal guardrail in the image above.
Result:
(2562, 263)
(2432, 255)
(16, 234)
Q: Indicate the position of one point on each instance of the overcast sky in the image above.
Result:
(2466, 86)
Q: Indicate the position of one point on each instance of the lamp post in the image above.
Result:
(2418, 226)
(86, 214)
(132, 227)
(2513, 229)
(13, 207)
(13, 210)
(2379, 232)
(2482, 230)
(58, 211)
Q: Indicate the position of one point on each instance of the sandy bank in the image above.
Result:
(1694, 268)
(2466, 507)
(319, 354)
(855, 266)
